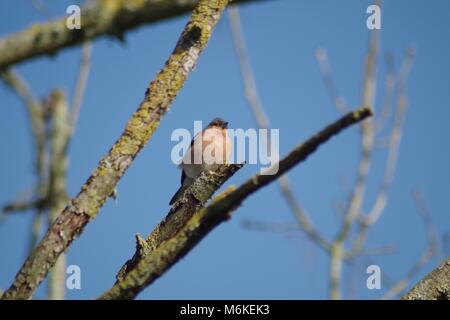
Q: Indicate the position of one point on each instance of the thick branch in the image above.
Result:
(435, 286)
(191, 202)
(139, 129)
(104, 18)
(152, 266)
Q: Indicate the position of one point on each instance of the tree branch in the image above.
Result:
(139, 129)
(193, 199)
(152, 266)
(435, 286)
(104, 18)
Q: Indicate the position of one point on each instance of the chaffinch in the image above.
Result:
(208, 149)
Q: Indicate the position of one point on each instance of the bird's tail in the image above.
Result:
(178, 194)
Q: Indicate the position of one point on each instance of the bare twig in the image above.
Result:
(83, 75)
(38, 127)
(269, 226)
(389, 90)
(327, 76)
(394, 146)
(23, 206)
(42, 9)
(262, 120)
(430, 250)
(35, 112)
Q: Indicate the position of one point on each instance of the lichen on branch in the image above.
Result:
(435, 286)
(103, 18)
(139, 129)
(190, 202)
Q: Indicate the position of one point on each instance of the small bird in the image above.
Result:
(208, 149)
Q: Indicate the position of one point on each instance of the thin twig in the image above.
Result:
(394, 144)
(269, 226)
(83, 75)
(262, 120)
(35, 111)
(327, 76)
(42, 9)
(20, 206)
(391, 161)
(389, 93)
(430, 250)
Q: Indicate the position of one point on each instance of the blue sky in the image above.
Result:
(232, 261)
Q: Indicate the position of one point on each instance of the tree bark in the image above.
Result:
(435, 286)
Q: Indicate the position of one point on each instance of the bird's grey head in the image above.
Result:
(218, 122)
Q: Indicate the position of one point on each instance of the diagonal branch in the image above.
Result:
(192, 201)
(103, 18)
(139, 129)
(152, 266)
(435, 286)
